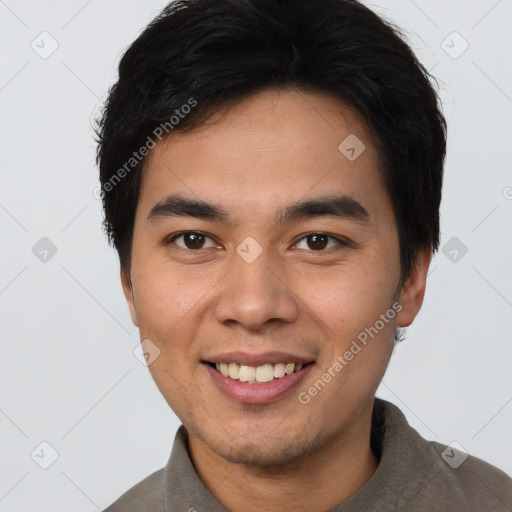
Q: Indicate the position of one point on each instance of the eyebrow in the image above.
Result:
(339, 206)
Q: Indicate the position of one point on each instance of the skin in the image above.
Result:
(267, 152)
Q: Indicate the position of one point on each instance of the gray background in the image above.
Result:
(68, 375)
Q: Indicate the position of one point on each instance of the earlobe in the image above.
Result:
(413, 290)
(128, 294)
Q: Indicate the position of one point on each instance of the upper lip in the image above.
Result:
(252, 359)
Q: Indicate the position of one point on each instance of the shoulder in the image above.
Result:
(423, 475)
(468, 481)
(147, 495)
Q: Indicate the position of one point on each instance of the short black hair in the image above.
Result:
(198, 57)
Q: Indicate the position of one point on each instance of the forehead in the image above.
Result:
(273, 147)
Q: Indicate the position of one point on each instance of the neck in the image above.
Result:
(321, 480)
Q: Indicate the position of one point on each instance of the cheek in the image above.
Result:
(359, 338)
(163, 296)
(171, 310)
(156, 303)
(350, 299)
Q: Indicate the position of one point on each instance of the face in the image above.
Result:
(259, 244)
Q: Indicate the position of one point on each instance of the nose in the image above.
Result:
(256, 294)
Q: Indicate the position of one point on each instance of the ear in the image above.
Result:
(128, 294)
(413, 290)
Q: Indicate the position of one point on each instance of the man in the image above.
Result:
(271, 178)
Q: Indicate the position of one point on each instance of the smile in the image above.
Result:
(260, 384)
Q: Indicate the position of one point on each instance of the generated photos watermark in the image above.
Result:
(137, 156)
(341, 361)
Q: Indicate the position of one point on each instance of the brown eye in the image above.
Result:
(191, 240)
(320, 241)
(317, 241)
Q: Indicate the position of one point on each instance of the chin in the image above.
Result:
(262, 454)
(264, 450)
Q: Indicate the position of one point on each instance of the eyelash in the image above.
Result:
(341, 242)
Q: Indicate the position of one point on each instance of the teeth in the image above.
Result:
(279, 370)
(247, 373)
(224, 369)
(265, 373)
(234, 370)
(290, 367)
(257, 374)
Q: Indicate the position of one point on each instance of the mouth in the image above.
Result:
(259, 384)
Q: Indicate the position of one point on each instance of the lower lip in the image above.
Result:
(257, 393)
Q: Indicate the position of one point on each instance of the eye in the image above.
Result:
(192, 240)
(196, 241)
(319, 241)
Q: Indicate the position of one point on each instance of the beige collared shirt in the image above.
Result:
(413, 475)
